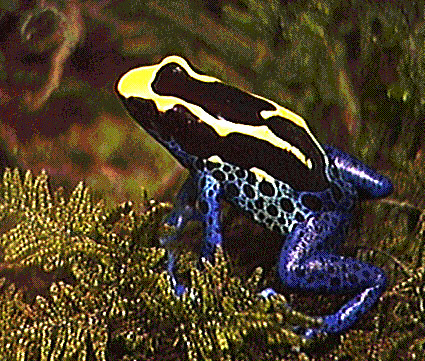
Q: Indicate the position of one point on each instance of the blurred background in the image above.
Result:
(353, 70)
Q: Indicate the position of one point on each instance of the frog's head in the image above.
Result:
(151, 96)
(208, 118)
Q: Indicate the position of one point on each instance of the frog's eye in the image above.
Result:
(235, 126)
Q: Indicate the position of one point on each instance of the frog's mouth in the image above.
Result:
(143, 111)
(177, 123)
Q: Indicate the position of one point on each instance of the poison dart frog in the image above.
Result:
(262, 158)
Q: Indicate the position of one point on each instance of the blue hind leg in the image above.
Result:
(306, 264)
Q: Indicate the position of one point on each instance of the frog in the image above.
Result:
(262, 158)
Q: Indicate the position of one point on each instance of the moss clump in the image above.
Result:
(82, 282)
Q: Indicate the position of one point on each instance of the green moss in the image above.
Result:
(79, 279)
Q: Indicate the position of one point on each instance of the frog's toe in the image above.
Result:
(308, 333)
(179, 290)
(311, 332)
(267, 293)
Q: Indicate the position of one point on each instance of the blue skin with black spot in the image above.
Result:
(313, 223)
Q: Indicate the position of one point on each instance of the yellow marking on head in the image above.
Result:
(138, 83)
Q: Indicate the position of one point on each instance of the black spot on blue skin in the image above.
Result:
(276, 228)
(272, 210)
(266, 188)
(335, 282)
(261, 216)
(259, 203)
(312, 202)
(203, 207)
(300, 272)
(231, 177)
(286, 205)
(212, 165)
(210, 193)
(353, 278)
(282, 220)
(226, 168)
(240, 173)
(219, 175)
(232, 191)
(331, 269)
(366, 274)
(250, 205)
(249, 192)
(251, 179)
(356, 267)
(199, 164)
(299, 217)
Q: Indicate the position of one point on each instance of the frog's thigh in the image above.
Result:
(208, 205)
(304, 266)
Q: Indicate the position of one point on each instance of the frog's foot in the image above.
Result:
(308, 333)
(339, 321)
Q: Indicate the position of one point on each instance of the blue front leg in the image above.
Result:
(204, 191)
(184, 211)
(208, 205)
(306, 264)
